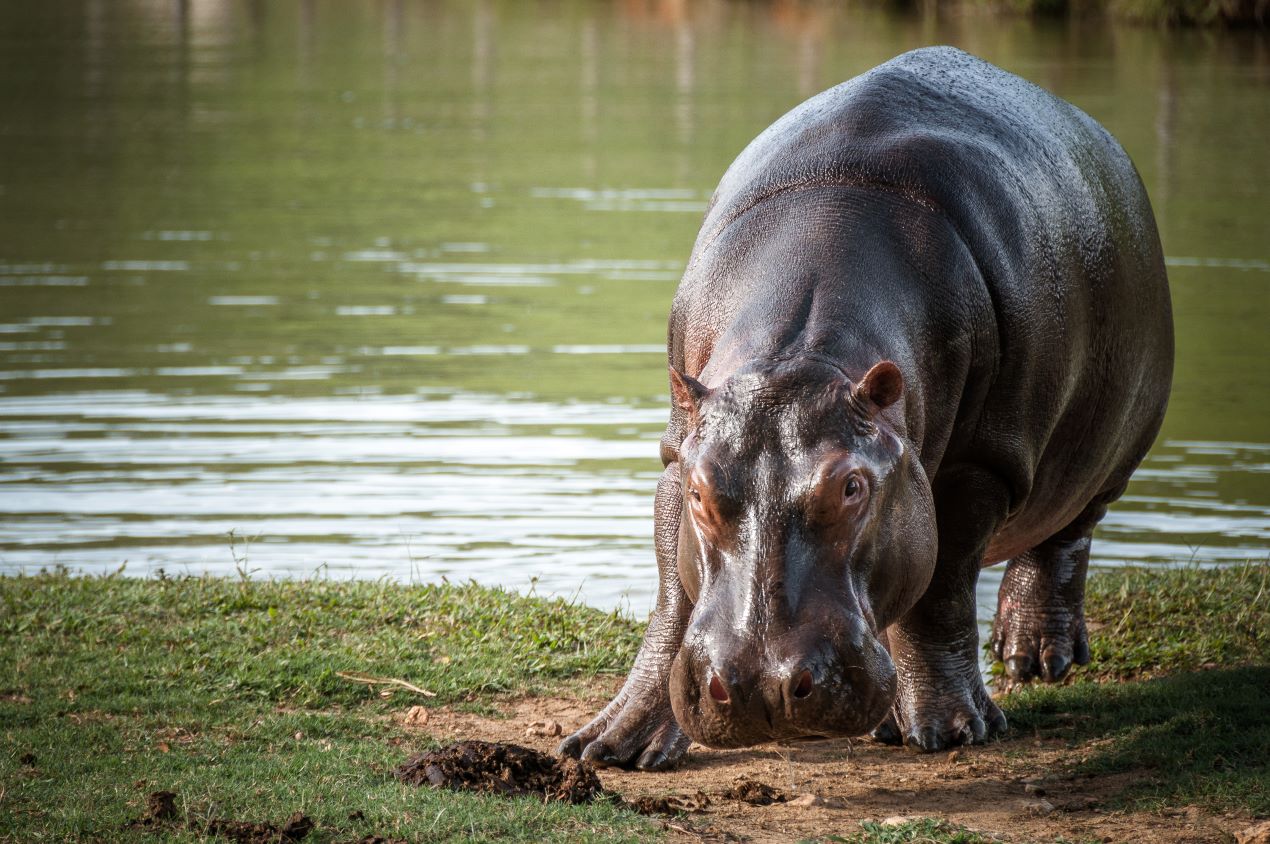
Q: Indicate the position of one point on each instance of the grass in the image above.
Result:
(284, 641)
(1157, 621)
(1152, 622)
(915, 831)
(228, 693)
(1195, 728)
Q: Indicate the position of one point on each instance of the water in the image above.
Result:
(379, 290)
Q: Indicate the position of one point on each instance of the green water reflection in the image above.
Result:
(223, 224)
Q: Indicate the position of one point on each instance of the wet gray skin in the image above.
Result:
(785, 548)
(925, 328)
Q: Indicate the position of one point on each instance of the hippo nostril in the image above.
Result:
(802, 688)
(717, 691)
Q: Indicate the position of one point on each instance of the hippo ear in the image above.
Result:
(687, 391)
(881, 386)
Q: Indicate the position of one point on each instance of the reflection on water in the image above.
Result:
(404, 486)
(381, 290)
(439, 484)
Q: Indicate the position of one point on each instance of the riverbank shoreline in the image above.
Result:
(261, 700)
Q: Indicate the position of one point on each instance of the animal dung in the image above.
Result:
(507, 770)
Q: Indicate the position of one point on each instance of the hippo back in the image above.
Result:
(1052, 212)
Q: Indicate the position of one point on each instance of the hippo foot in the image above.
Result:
(631, 732)
(939, 720)
(1039, 630)
(1039, 641)
(888, 732)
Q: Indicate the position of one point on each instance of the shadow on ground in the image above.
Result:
(1201, 737)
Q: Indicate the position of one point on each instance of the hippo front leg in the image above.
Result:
(941, 699)
(637, 728)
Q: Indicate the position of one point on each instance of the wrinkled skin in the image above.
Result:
(925, 328)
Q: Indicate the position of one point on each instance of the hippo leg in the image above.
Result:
(637, 728)
(1039, 630)
(941, 699)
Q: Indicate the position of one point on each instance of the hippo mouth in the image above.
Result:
(843, 698)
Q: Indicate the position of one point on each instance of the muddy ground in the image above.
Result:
(1008, 789)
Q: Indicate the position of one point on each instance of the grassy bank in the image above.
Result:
(230, 694)
(1194, 722)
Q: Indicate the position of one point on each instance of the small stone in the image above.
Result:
(416, 716)
(544, 729)
(1034, 789)
(898, 820)
(1256, 834)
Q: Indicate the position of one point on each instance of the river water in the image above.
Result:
(379, 289)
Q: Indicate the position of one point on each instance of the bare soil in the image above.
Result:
(1013, 790)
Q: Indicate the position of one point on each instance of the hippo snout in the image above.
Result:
(734, 691)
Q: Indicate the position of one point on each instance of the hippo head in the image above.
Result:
(808, 527)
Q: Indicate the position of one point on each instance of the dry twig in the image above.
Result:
(357, 677)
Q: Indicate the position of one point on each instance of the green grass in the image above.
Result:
(284, 641)
(226, 693)
(1198, 730)
(916, 831)
(913, 831)
(1155, 621)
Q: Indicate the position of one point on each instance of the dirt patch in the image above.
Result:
(831, 786)
(245, 832)
(755, 793)
(674, 804)
(507, 770)
(161, 806)
(161, 813)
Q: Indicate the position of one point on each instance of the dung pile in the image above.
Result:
(507, 770)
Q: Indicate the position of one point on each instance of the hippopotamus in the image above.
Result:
(925, 328)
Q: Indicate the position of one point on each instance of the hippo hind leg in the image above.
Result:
(1039, 630)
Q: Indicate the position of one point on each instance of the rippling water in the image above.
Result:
(380, 291)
